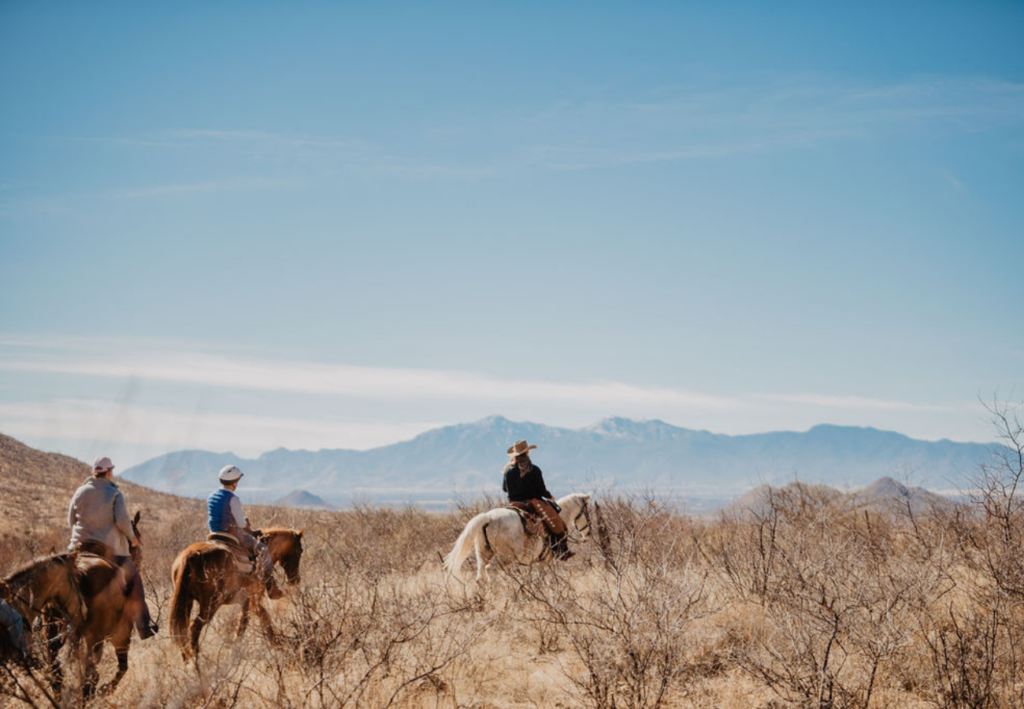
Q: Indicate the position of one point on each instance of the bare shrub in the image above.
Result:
(626, 628)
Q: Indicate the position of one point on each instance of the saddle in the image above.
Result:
(100, 550)
(94, 548)
(533, 524)
(244, 562)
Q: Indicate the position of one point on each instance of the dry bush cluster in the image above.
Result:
(812, 599)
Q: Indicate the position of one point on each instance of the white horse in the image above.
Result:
(500, 533)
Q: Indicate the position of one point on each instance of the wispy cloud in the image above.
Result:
(231, 371)
(706, 120)
(265, 138)
(225, 185)
(98, 420)
(852, 403)
(952, 180)
(709, 118)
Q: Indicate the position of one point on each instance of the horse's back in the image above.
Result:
(95, 574)
(193, 553)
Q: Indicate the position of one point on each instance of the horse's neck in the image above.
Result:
(55, 585)
(36, 589)
(570, 507)
(277, 544)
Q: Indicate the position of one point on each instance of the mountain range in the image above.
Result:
(616, 453)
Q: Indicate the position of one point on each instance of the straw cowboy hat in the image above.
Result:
(519, 448)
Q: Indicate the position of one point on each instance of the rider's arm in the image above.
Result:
(236, 512)
(122, 521)
(72, 515)
(543, 487)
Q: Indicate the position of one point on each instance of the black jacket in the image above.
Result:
(521, 488)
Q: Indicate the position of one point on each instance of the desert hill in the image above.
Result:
(304, 500)
(883, 495)
(38, 487)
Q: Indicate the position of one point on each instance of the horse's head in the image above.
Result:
(136, 551)
(285, 546)
(579, 513)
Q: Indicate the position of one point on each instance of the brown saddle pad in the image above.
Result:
(532, 523)
(225, 540)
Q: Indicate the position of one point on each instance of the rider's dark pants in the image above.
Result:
(258, 549)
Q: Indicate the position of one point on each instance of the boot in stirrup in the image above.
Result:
(560, 547)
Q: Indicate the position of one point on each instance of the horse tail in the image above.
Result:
(182, 599)
(465, 544)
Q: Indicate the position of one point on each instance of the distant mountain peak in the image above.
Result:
(492, 420)
(303, 499)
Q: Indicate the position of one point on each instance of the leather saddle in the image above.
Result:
(533, 524)
(244, 563)
(94, 548)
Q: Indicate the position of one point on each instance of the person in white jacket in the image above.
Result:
(98, 516)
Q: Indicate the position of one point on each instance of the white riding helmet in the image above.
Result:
(229, 474)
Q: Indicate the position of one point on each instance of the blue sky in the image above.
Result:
(243, 226)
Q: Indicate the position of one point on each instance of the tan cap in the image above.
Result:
(520, 447)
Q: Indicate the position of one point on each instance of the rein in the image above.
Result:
(582, 513)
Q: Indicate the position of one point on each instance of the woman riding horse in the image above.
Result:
(100, 525)
(524, 484)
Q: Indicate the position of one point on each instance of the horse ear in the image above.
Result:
(302, 531)
(138, 514)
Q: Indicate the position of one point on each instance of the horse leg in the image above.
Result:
(54, 643)
(93, 654)
(121, 640)
(481, 563)
(206, 611)
(268, 628)
(243, 621)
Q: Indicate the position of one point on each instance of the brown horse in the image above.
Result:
(47, 587)
(110, 615)
(206, 574)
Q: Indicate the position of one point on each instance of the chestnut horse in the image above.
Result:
(46, 587)
(110, 616)
(205, 574)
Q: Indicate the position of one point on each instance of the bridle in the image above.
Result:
(584, 512)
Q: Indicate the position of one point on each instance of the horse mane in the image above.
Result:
(273, 531)
(18, 576)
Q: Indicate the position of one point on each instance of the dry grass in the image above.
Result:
(814, 602)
